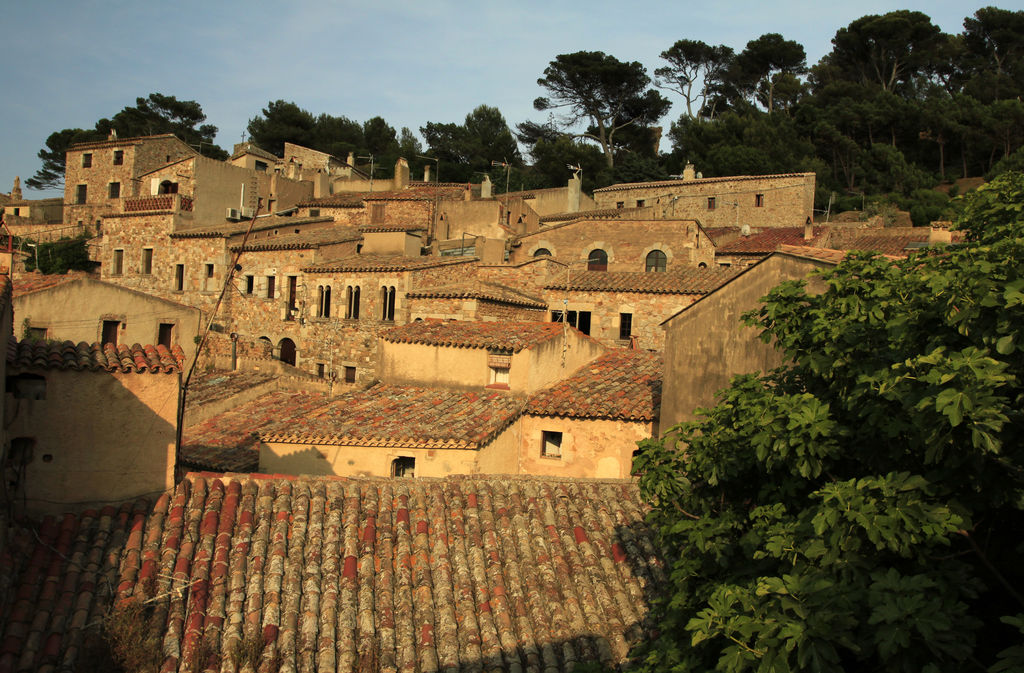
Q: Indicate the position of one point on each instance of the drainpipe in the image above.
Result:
(234, 351)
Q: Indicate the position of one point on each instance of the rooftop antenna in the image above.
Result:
(577, 171)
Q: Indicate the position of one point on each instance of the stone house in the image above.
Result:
(743, 249)
(611, 244)
(618, 308)
(784, 200)
(90, 424)
(706, 344)
(99, 174)
(475, 300)
(79, 307)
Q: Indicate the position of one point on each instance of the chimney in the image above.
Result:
(113, 134)
(573, 195)
(485, 187)
(808, 230)
(939, 233)
(401, 179)
(689, 173)
(16, 189)
(426, 173)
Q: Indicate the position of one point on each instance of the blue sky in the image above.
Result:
(67, 64)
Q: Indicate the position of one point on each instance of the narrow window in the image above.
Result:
(625, 325)
(250, 284)
(500, 363)
(165, 334)
(270, 286)
(350, 374)
(403, 466)
(110, 328)
(759, 200)
(114, 190)
(583, 321)
(387, 303)
(597, 261)
(620, 204)
(81, 191)
(327, 302)
(260, 166)
(209, 270)
(147, 261)
(319, 301)
(320, 370)
(711, 203)
(640, 203)
(551, 444)
(352, 309)
(118, 266)
(293, 286)
(17, 212)
(314, 212)
(179, 277)
(87, 160)
(376, 213)
(656, 261)
(118, 157)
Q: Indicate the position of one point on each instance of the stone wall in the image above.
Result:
(590, 447)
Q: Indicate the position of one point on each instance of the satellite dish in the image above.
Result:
(745, 230)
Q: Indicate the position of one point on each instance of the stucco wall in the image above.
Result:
(99, 437)
(427, 365)
(361, 461)
(590, 448)
(547, 364)
(706, 345)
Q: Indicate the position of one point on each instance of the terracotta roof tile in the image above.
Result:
(691, 281)
(229, 442)
(388, 415)
(821, 254)
(513, 336)
(698, 181)
(602, 213)
(421, 192)
(116, 142)
(228, 229)
(621, 384)
(378, 228)
(24, 283)
(368, 263)
(478, 290)
(85, 357)
(900, 242)
(303, 240)
(456, 574)
(216, 385)
(339, 200)
(769, 240)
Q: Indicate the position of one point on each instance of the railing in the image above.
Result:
(138, 204)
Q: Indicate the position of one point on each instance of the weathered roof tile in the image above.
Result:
(690, 281)
(66, 355)
(513, 336)
(621, 384)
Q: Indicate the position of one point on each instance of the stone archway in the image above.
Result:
(286, 347)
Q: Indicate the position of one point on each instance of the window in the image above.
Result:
(323, 304)
(403, 466)
(640, 203)
(179, 277)
(168, 187)
(165, 333)
(27, 386)
(293, 287)
(37, 333)
(147, 261)
(625, 325)
(387, 304)
(314, 212)
(209, 270)
(711, 203)
(758, 200)
(499, 363)
(118, 267)
(350, 374)
(352, 302)
(87, 160)
(656, 261)
(620, 204)
(597, 261)
(542, 252)
(81, 192)
(260, 165)
(578, 319)
(110, 328)
(376, 213)
(270, 286)
(320, 370)
(118, 157)
(114, 190)
(551, 444)
(17, 212)
(250, 284)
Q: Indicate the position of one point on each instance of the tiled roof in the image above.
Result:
(908, 240)
(698, 181)
(513, 336)
(769, 240)
(478, 290)
(380, 228)
(602, 213)
(691, 281)
(621, 384)
(228, 229)
(460, 574)
(717, 234)
(339, 200)
(421, 192)
(388, 415)
(366, 263)
(313, 238)
(115, 142)
(229, 442)
(215, 385)
(255, 150)
(821, 254)
(84, 357)
(24, 283)
(59, 581)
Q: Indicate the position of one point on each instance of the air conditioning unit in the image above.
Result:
(233, 214)
(246, 213)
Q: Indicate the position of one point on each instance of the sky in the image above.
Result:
(67, 64)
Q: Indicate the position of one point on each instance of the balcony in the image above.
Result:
(160, 202)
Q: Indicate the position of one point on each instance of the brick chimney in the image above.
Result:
(401, 180)
(485, 187)
(573, 195)
(689, 173)
(426, 173)
(808, 231)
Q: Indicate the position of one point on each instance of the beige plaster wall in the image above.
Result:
(391, 243)
(706, 345)
(590, 448)
(108, 436)
(446, 367)
(362, 461)
(546, 363)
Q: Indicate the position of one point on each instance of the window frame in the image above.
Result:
(117, 264)
(551, 444)
(146, 263)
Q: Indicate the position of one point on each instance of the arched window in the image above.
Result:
(387, 303)
(542, 252)
(323, 302)
(352, 302)
(597, 261)
(656, 261)
(168, 187)
(327, 302)
(702, 265)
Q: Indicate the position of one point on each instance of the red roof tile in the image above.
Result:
(892, 241)
(24, 283)
(621, 384)
(697, 181)
(387, 415)
(821, 254)
(456, 574)
(691, 281)
(303, 240)
(369, 263)
(84, 357)
(383, 228)
(421, 192)
(602, 213)
(769, 240)
(339, 200)
(513, 336)
(478, 290)
(228, 229)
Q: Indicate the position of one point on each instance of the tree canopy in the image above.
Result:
(469, 148)
(861, 507)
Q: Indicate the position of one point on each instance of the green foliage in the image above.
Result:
(61, 256)
(468, 149)
(860, 507)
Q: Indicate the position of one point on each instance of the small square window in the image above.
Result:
(625, 325)
(758, 200)
(114, 190)
(87, 160)
(314, 212)
(711, 203)
(17, 212)
(350, 374)
(118, 157)
(620, 204)
(551, 444)
(377, 213)
(260, 166)
(640, 203)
